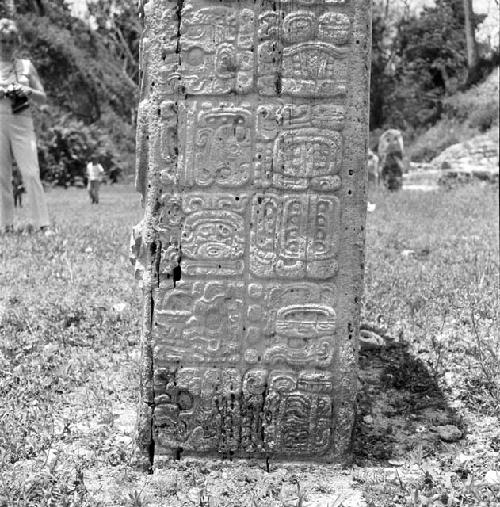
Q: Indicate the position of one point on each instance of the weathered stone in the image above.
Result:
(470, 161)
(252, 138)
(368, 340)
(448, 433)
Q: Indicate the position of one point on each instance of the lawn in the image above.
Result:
(428, 430)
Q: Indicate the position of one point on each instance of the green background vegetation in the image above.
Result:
(90, 76)
(422, 83)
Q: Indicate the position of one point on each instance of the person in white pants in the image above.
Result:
(19, 86)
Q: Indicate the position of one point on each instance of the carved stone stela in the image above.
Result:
(252, 135)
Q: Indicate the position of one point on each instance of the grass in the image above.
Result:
(62, 343)
(69, 328)
(432, 278)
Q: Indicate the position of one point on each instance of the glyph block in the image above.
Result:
(252, 138)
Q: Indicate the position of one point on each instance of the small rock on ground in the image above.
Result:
(448, 433)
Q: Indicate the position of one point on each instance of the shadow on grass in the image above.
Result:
(402, 413)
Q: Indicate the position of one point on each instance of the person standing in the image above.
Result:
(391, 152)
(17, 188)
(95, 173)
(20, 87)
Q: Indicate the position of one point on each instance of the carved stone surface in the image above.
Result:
(252, 136)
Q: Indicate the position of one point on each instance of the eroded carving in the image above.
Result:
(216, 45)
(302, 53)
(220, 149)
(276, 409)
(292, 324)
(253, 183)
(294, 236)
(307, 153)
(206, 231)
(200, 322)
(197, 408)
(299, 412)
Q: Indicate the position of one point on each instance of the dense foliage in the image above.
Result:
(419, 60)
(90, 76)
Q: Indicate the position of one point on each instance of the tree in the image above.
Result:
(80, 67)
(381, 83)
(91, 89)
(418, 57)
(470, 37)
(429, 63)
(118, 22)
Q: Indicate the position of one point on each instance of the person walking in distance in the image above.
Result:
(20, 87)
(17, 188)
(95, 172)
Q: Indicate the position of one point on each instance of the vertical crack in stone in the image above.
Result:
(152, 442)
(180, 6)
(155, 261)
(159, 247)
(177, 270)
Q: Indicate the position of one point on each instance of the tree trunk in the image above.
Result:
(472, 54)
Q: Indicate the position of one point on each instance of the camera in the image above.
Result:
(19, 101)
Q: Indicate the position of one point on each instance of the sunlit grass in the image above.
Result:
(60, 332)
(69, 330)
(432, 277)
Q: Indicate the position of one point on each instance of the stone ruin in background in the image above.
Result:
(252, 139)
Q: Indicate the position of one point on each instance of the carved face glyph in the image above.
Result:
(213, 235)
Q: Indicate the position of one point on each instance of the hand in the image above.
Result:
(18, 90)
(25, 90)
